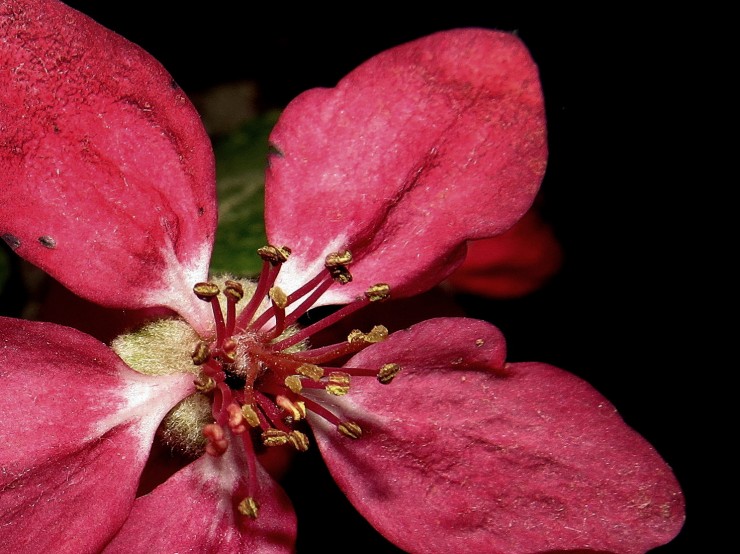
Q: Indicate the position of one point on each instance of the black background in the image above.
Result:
(618, 87)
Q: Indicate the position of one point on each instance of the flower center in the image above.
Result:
(252, 376)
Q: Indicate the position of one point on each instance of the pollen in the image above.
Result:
(350, 429)
(249, 508)
(380, 291)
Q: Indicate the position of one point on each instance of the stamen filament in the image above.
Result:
(306, 332)
(267, 277)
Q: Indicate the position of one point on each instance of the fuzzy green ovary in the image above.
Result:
(159, 348)
(182, 427)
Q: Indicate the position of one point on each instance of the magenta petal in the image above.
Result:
(195, 511)
(512, 264)
(530, 460)
(107, 178)
(421, 147)
(73, 415)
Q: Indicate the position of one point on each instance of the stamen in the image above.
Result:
(299, 441)
(388, 372)
(236, 419)
(336, 263)
(377, 334)
(297, 409)
(217, 441)
(250, 415)
(201, 353)
(204, 383)
(294, 383)
(234, 292)
(274, 437)
(350, 429)
(338, 383)
(249, 507)
(311, 371)
(275, 255)
(380, 291)
(208, 292)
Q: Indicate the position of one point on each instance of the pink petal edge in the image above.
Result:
(420, 148)
(530, 460)
(73, 415)
(195, 511)
(108, 179)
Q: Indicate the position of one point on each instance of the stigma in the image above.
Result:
(256, 377)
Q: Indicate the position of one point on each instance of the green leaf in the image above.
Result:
(241, 158)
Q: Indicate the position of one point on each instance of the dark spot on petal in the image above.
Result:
(174, 85)
(201, 211)
(13, 241)
(48, 242)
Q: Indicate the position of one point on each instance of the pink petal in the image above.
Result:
(195, 511)
(511, 265)
(73, 416)
(420, 148)
(108, 178)
(526, 458)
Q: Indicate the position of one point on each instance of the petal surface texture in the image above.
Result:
(77, 426)
(195, 511)
(107, 179)
(461, 451)
(423, 146)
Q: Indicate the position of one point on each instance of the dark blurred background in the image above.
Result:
(618, 100)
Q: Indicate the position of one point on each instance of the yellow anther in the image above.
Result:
(234, 290)
(350, 429)
(204, 383)
(380, 291)
(338, 258)
(296, 410)
(338, 383)
(250, 415)
(388, 372)
(299, 441)
(274, 254)
(293, 382)
(310, 370)
(278, 297)
(340, 274)
(274, 437)
(206, 291)
(201, 353)
(249, 507)
(377, 334)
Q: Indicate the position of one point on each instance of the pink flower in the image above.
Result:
(108, 185)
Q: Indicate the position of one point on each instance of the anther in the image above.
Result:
(311, 371)
(236, 419)
(278, 297)
(234, 290)
(340, 274)
(388, 372)
(293, 382)
(249, 507)
(201, 353)
(274, 437)
(206, 291)
(377, 334)
(217, 441)
(296, 410)
(350, 429)
(204, 383)
(250, 415)
(274, 254)
(338, 258)
(380, 291)
(338, 383)
(299, 441)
